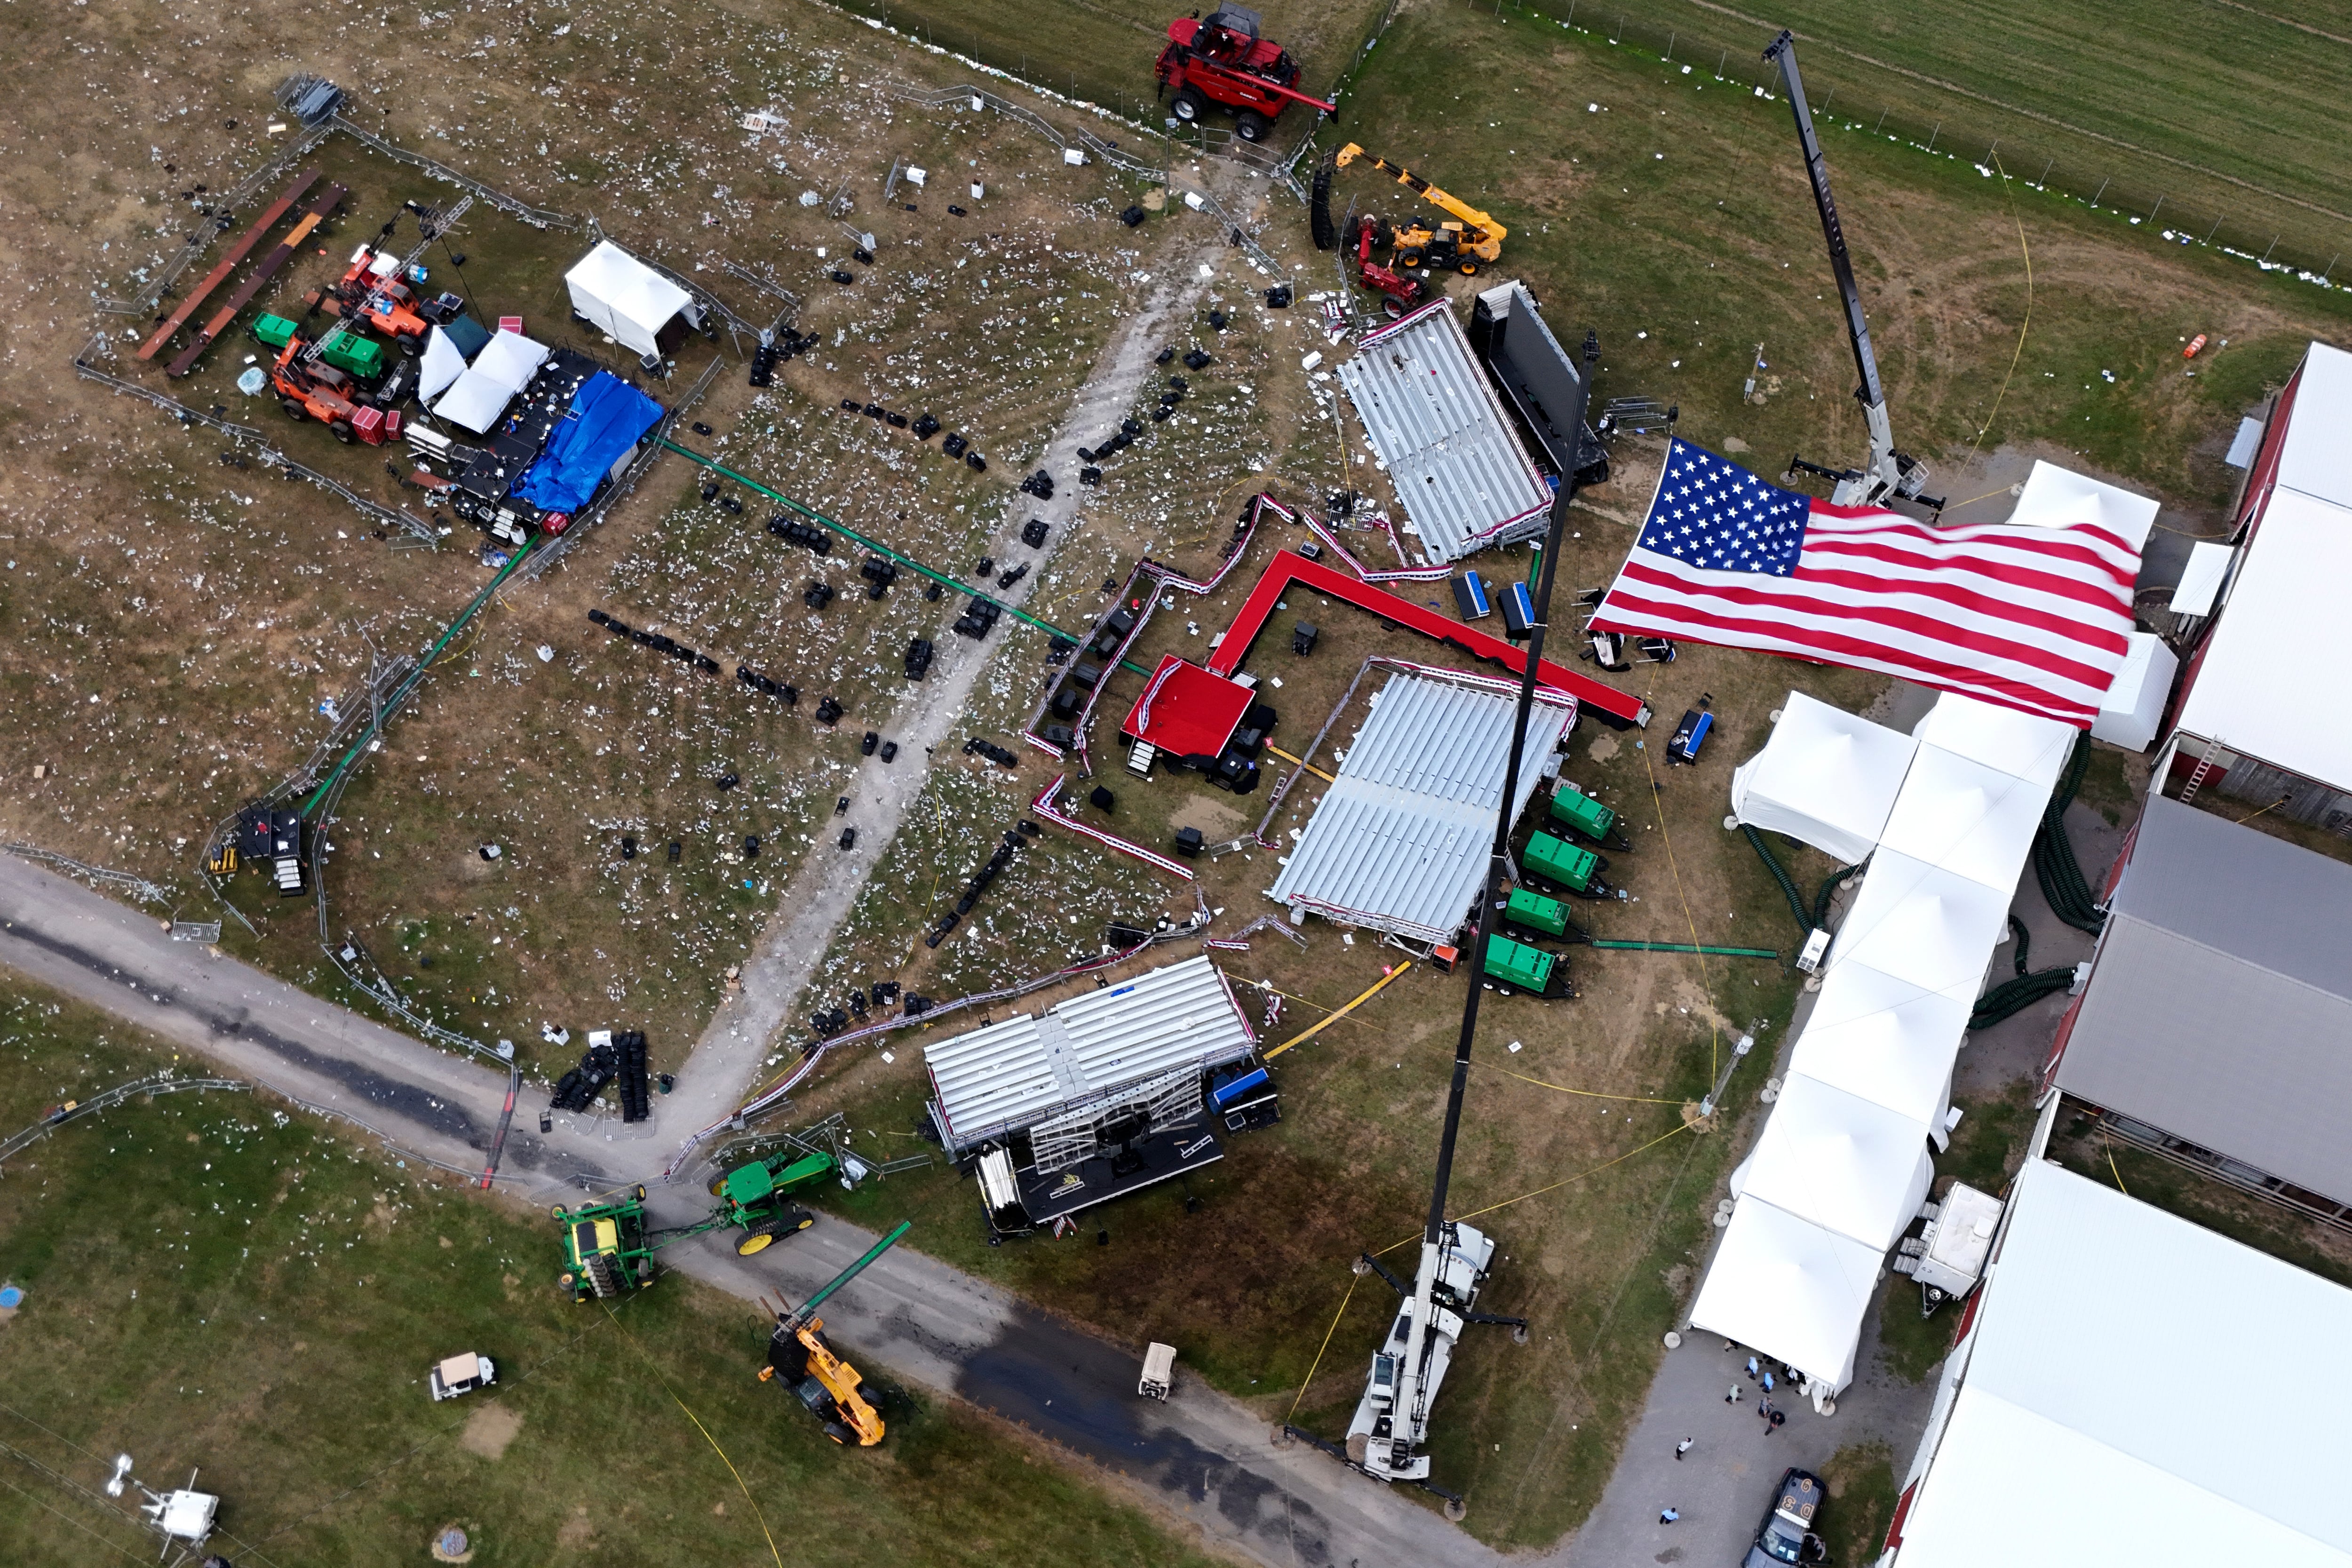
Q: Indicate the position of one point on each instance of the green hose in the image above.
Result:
(2011, 997)
(2064, 886)
(1787, 884)
(1688, 947)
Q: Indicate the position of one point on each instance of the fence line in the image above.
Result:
(137, 887)
(223, 208)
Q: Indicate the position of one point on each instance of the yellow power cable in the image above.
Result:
(1587, 1093)
(2110, 1150)
(1302, 762)
(1307, 1035)
(706, 1438)
(1713, 1029)
(2023, 327)
(1320, 1349)
(1539, 1192)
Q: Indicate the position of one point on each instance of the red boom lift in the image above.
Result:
(1224, 60)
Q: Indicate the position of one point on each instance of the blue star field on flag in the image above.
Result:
(1716, 516)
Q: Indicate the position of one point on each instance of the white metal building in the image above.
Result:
(1450, 449)
(1173, 1023)
(2131, 1388)
(1399, 842)
(2244, 724)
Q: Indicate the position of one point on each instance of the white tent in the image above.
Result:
(1885, 1040)
(1921, 924)
(476, 398)
(1965, 817)
(1846, 1163)
(2026, 744)
(1792, 1290)
(442, 366)
(2134, 708)
(626, 298)
(1824, 778)
(2053, 497)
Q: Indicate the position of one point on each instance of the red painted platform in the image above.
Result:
(1287, 569)
(1186, 711)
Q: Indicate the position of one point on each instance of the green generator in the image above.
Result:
(1558, 860)
(1517, 966)
(1585, 816)
(354, 355)
(275, 331)
(1539, 916)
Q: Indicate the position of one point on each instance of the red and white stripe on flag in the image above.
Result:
(2027, 616)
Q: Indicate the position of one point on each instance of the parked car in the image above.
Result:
(462, 1374)
(1787, 1533)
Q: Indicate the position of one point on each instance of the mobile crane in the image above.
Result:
(1890, 473)
(832, 1389)
(1464, 243)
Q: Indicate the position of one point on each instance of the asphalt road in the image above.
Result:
(1201, 1456)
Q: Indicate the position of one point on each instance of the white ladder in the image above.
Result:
(1139, 758)
(2198, 775)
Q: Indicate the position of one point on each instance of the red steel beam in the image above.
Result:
(234, 254)
(314, 215)
(1613, 707)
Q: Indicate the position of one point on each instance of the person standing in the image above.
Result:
(1681, 1449)
(1668, 1515)
(1732, 1397)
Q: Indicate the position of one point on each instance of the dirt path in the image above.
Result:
(1201, 1457)
(730, 1056)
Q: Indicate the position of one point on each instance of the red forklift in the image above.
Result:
(309, 388)
(368, 295)
(1225, 60)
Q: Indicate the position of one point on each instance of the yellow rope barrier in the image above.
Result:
(706, 1438)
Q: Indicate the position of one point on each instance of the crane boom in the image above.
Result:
(1890, 471)
(807, 1309)
(1470, 215)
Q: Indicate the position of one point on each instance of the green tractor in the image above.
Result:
(754, 1197)
(607, 1251)
(1566, 867)
(1587, 818)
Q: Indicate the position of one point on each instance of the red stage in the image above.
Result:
(1188, 711)
(1612, 706)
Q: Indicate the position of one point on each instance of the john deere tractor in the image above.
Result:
(608, 1250)
(754, 1196)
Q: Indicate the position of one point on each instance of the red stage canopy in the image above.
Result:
(1187, 711)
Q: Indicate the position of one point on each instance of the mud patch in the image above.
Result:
(489, 1431)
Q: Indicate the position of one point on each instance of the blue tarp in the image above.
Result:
(606, 419)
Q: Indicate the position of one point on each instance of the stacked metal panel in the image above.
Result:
(1460, 473)
(1399, 842)
(994, 1081)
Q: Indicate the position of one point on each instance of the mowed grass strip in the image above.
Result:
(213, 1282)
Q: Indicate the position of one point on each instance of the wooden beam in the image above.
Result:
(229, 259)
(312, 216)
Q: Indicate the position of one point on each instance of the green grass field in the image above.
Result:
(212, 1282)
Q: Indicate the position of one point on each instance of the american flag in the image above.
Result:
(2034, 618)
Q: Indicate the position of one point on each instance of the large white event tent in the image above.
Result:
(626, 298)
(476, 398)
(1825, 777)
(1842, 1165)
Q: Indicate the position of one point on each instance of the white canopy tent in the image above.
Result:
(2134, 711)
(2053, 497)
(1964, 818)
(2033, 748)
(1920, 923)
(1789, 1287)
(476, 398)
(442, 365)
(1846, 1163)
(626, 298)
(1885, 1040)
(1824, 778)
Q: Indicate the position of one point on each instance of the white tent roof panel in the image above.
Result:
(2032, 747)
(2063, 1414)
(474, 401)
(1789, 1288)
(1920, 923)
(2134, 711)
(1825, 777)
(1885, 1040)
(2319, 429)
(510, 360)
(1965, 817)
(2283, 610)
(1846, 1163)
(2201, 578)
(626, 298)
(2053, 497)
(443, 364)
